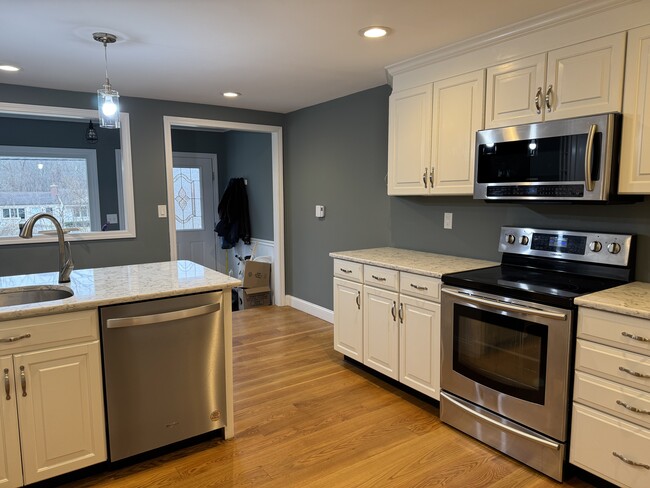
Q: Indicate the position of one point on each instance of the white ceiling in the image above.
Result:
(282, 55)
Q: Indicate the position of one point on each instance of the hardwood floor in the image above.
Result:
(306, 418)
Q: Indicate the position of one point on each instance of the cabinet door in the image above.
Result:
(380, 331)
(62, 414)
(586, 78)
(11, 474)
(635, 149)
(457, 114)
(409, 141)
(512, 89)
(420, 345)
(348, 319)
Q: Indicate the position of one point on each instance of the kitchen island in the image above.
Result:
(52, 419)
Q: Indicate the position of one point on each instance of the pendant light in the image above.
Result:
(91, 133)
(108, 100)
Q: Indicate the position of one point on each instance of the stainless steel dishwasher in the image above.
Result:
(164, 371)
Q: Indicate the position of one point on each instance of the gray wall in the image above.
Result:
(336, 155)
(148, 157)
(239, 155)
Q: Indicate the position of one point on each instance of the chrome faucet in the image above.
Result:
(65, 255)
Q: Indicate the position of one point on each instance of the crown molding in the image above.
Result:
(512, 31)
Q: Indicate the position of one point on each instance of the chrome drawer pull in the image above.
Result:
(633, 373)
(400, 313)
(23, 380)
(421, 288)
(16, 338)
(635, 337)
(359, 300)
(346, 270)
(538, 97)
(7, 385)
(379, 278)
(631, 408)
(629, 461)
(392, 311)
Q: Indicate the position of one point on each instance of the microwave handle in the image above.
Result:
(589, 157)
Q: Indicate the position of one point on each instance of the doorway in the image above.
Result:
(277, 269)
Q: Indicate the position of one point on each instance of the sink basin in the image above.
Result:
(33, 294)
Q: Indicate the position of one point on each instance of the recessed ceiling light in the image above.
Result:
(231, 94)
(8, 67)
(374, 31)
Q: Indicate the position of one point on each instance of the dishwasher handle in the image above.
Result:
(162, 317)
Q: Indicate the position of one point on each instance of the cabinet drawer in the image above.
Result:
(613, 398)
(381, 277)
(615, 329)
(419, 286)
(49, 330)
(349, 270)
(614, 364)
(595, 436)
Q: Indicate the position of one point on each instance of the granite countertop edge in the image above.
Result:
(113, 285)
(631, 299)
(419, 262)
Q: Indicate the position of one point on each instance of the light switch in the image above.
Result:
(162, 211)
(111, 218)
(320, 211)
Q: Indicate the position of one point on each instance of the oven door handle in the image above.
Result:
(499, 425)
(507, 306)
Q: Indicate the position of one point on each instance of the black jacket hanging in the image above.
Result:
(234, 218)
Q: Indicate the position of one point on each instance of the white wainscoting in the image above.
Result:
(310, 308)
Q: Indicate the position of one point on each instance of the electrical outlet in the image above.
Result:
(448, 222)
(162, 211)
(111, 218)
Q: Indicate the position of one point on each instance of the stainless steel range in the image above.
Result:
(508, 338)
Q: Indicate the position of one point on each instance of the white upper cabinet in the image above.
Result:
(578, 80)
(431, 135)
(635, 148)
(409, 141)
(457, 114)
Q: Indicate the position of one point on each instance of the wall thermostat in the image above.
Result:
(320, 211)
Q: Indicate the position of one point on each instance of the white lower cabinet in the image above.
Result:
(53, 409)
(389, 321)
(611, 398)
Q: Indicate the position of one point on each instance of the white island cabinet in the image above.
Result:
(52, 415)
(610, 432)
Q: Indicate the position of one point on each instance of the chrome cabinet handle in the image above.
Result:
(633, 373)
(538, 100)
(589, 157)
(359, 300)
(635, 337)
(15, 338)
(631, 408)
(392, 311)
(346, 270)
(431, 178)
(162, 317)
(7, 385)
(548, 99)
(421, 288)
(424, 177)
(23, 380)
(379, 278)
(629, 461)
(401, 313)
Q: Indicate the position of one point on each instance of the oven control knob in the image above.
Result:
(614, 247)
(595, 246)
(523, 240)
(510, 239)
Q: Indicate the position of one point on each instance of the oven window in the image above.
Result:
(501, 352)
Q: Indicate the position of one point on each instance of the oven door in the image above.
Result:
(509, 356)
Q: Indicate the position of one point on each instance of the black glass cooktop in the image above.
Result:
(549, 287)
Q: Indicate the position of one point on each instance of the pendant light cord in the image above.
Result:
(106, 63)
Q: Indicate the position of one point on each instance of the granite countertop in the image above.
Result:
(118, 284)
(630, 299)
(423, 263)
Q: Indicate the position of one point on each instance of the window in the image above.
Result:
(59, 181)
(187, 198)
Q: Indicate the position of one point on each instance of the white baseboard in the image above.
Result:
(310, 308)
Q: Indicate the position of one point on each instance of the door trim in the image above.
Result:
(277, 180)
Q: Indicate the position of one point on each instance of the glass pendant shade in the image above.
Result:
(108, 101)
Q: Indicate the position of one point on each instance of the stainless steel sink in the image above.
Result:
(33, 294)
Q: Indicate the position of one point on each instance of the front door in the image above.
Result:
(194, 203)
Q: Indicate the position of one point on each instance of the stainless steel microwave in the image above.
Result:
(573, 159)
